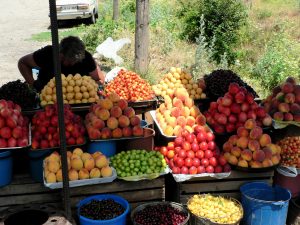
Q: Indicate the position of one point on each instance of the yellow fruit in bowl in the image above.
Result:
(70, 89)
(71, 83)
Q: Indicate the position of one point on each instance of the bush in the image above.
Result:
(223, 21)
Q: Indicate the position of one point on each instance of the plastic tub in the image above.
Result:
(146, 142)
(5, 168)
(290, 183)
(36, 163)
(173, 204)
(264, 205)
(120, 220)
(108, 148)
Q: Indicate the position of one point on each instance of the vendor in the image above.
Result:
(73, 58)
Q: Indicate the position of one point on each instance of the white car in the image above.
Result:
(77, 9)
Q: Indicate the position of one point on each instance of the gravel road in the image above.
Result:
(19, 19)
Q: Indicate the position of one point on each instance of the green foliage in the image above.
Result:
(223, 21)
(280, 60)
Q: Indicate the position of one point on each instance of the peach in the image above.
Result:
(85, 156)
(283, 107)
(267, 163)
(227, 146)
(54, 157)
(94, 134)
(295, 108)
(264, 140)
(256, 133)
(189, 102)
(267, 120)
(253, 145)
(95, 173)
(124, 121)
(169, 131)
(102, 114)
(233, 160)
(134, 121)
(182, 94)
(289, 98)
(242, 142)
(98, 123)
(76, 163)
(113, 97)
(105, 103)
(256, 164)
(233, 139)
(137, 131)
(53, 166)
(112, 123)
(127, 131)
(59, 177)
(243, 163)
(190, 121)
(236, 151)
(51, 178)
(101, 161)
(83, 174)
(189, 129)
(69, 154)
(275, 159)
(177, 102)
(181, 121)
(194, 111)
(73, 175)
(185, 111)
(242, 132)
(250, 124)
(106, 171)
(117, 133)
(116, 111)
(246, 155)
(278, 116)
(74, 156)
(259, 155)
(287, 87)
(89, 163)
(201, 120)
(227, 156)
(288, 117)
(129, 112)
(268, 152)
(96, 154)
(122, 104)
(172, 121)
(106, 133)
(177, 130)
(175, 112)
(162, 108)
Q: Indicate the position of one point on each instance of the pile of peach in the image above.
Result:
(179, 113)
(290, 153)
(130, 86)
(284, 103)
(112, 118)
(81, 165)
(250, 147)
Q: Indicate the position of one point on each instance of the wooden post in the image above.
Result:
(115, 9)
(141, 60)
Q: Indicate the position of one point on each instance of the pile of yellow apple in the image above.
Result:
(76, 89)
(178, 78)
(81, 165)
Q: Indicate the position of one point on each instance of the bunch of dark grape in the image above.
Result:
(20, 93)
(218, 81)
(102, 209)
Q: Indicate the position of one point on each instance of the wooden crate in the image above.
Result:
(23, 190)
(181, 192)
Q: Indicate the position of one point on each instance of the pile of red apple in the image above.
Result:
(112, 118)
(231, 111)
(45, 131)
(13, 126)
(194, 153)
(130, 86)
(284, 103)
(251, 148)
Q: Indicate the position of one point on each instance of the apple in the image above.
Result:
(201, 136)
(190, 154)
(182, 154)
(178, 141)
(170, 154)
(200, 154)
(204, 162)
(186, 146)
(195, 147)
(203, 146)
(164, 151)
(192, 170)
(208, 154)
(200, 169)
(170, 146)
(213, 161)
(196, 162)
(209, 169)
(184, 170)
(179, 162)
(188, 162)
(218, 169)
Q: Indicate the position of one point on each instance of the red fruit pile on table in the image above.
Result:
(130, 86)
(290, 151)
(284, 103)
(231, 111)
(194, 153)
(45, 132)
(13, 126)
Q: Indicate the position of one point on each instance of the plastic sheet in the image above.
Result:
(185, 177)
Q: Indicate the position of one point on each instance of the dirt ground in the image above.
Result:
(20, 19)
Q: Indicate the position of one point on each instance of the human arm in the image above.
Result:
(25, 65)
(97, 74)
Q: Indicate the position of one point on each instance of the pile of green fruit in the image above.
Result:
(138, 162)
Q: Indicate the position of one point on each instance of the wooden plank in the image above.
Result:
(215, 186)
(14, 189)
(237, 175)
(184, 198)
(118, 186)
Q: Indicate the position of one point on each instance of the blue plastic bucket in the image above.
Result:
(36, 163)
(144, 123)
(264, 205)
(120, 220)
(6, 164)
(108, 148)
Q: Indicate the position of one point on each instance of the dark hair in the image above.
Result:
(72, 48)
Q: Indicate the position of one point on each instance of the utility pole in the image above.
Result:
(115, 10)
